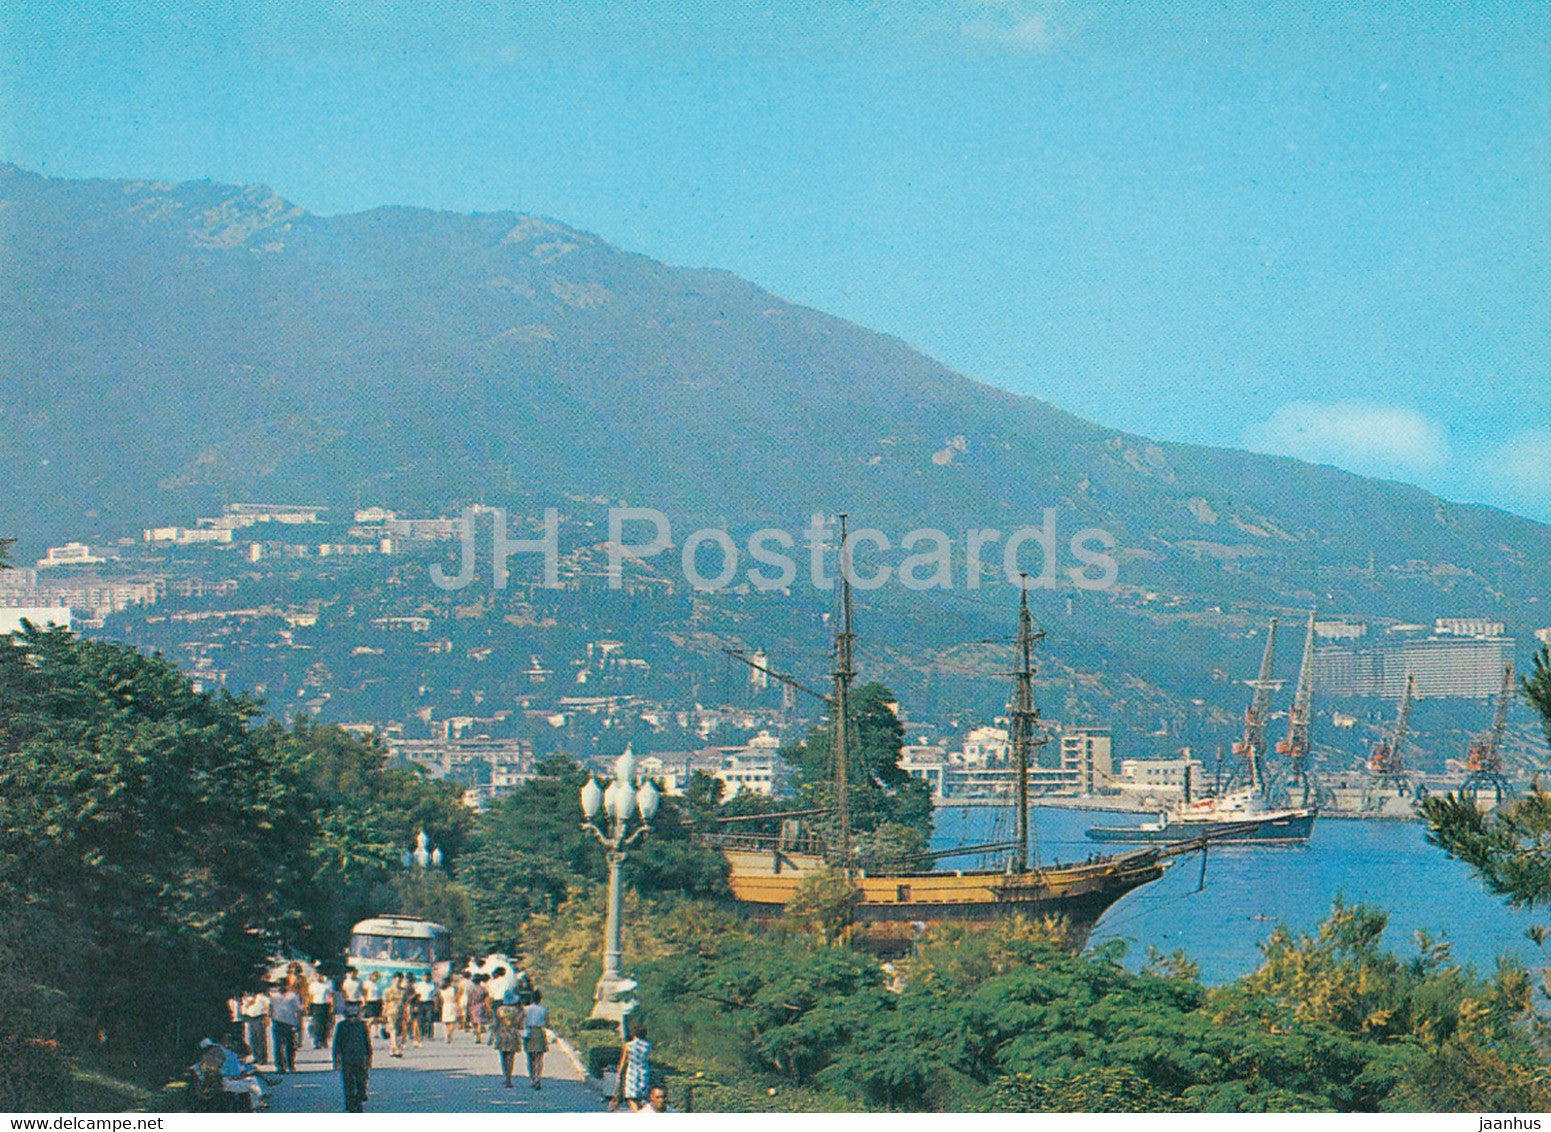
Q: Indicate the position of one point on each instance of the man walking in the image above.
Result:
(352, 1056)
(321, 991)
(285, 1018)
(371, 1004)
(255, 1016)
(426, 1001)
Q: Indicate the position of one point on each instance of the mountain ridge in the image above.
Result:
(175, 346)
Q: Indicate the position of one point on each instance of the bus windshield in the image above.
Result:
(397, 948)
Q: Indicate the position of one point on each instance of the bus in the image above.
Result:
(391, 945)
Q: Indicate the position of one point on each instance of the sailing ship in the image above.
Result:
(894, 906)
(1253, 813)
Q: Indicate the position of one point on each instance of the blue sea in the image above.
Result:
(1250, 889)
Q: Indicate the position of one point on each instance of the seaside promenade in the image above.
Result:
(460, 1077)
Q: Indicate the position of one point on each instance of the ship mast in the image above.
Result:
(844, 674)
(1025, 719)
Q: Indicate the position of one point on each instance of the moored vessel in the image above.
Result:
(892, 907)
(1248, 815)
(1237, 818)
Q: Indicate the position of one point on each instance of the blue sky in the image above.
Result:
(1322, 229)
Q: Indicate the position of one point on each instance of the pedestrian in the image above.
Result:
(500, 982)
(408, 1009)
(285, 1018)
(302, 985)
(535, 1036)
(393, 1015)
(350, 985)
(427, 1004)
(255, 1016)
(411, 1011)
(523, 985)
(460, 981)
(506, 1035)
(635, 1070)
(371, 1003)
(656, 1100)
(479, 1007)
(352, 1056)
(320, 990)
(496, 985)
(449, 1002)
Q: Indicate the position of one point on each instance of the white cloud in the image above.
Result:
(1399, 443)
(1361, 436)
(1025, 25)
(1522, 464)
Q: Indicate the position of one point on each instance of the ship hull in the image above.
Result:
(896, 908)
(1279, 829)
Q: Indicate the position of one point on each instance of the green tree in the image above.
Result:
(1100, 1088)
(673, 860)
(365, 815)
(1509, 849)
(1003, 1017)
(891, 847)
(433, 895)
(779, 1007)
(144, 823)
(159, 843)
(879, 791)
(1537, 688)
(40, 954)
(529, 850)
(824, 902)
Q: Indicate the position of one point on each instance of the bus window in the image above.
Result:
(364, 946)
(441, 950)
(411, 950)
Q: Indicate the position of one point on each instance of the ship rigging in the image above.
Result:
(894, 904)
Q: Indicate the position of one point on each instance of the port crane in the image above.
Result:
(1385, 762)
(1252, 747)
(1484, 758)
(1295, 748)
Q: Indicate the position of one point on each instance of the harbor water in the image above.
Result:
(1250, 889)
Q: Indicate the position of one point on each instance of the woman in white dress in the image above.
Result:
(449, 997)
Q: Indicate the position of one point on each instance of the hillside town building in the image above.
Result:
(1461, 657)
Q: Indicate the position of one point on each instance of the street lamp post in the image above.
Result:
(616, 805)
(423, 856)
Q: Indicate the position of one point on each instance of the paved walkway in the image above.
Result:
(460, 1077)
